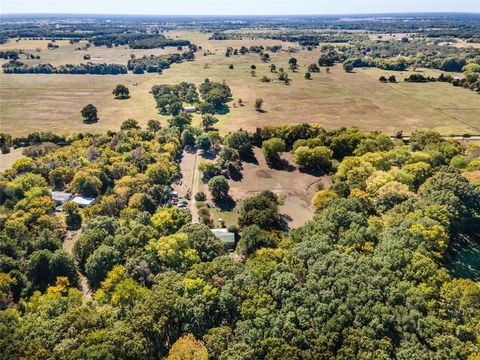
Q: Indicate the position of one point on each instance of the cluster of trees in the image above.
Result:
(157, 63)
(9, 54)
(364, 278)
(169, 98)
(470, 81)
(214, 97)
(257, 49)
(18, 67)
(137, 40)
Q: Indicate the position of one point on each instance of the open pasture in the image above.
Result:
(53, 102)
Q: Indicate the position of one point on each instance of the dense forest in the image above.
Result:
(366, 278)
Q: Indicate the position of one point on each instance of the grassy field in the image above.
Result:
(53, 102)
(294, 188)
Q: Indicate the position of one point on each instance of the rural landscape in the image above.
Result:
(240, 187)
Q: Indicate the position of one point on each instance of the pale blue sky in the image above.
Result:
(235, 7)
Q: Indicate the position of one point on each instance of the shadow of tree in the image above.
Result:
(226, 204)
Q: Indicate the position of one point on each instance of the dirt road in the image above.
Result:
(68, 243)
(194, 187)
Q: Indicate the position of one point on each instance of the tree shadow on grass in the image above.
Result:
(225, 109)
(249, 157)
(281, 164)
(226, 204)
(313, 172)
(209, 155)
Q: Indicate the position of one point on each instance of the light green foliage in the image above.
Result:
(318, 157)
(174, 252)
(169, 220)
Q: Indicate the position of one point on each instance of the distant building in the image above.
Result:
(226, 236)
(189, 109)
(83, 201)
(61, 197)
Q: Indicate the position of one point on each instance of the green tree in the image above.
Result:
(218, 187)
(239, 141)
(121, 92)
(318, 157)
(102, 260)
(203, 142)
(89, 114)
(130, 124)
(63, 264)
(38, 269)
(208, 121)
(293, 64)
(73, 219)
(153, 126)
(254, 238)
(271, 149)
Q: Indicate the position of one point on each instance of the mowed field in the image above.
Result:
(53, 102)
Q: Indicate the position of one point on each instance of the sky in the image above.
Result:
(235, 7)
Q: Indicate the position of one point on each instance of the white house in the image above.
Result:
(83, 201)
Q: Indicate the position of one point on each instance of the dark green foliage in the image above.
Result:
(261, 210)
(89, 114)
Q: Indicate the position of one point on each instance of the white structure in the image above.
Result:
(189, 109)
(61, 197)
(83, 201)
(226, 236)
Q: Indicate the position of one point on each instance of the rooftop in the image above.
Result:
(83, 201)
(61, 196)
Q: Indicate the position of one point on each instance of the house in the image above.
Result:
(61, 197)
(83, 201)
(226, 236)
(189, 109)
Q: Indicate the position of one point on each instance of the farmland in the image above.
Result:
(33, 102)
(236, 188)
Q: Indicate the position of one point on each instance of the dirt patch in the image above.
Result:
(264, 174)
(7, 160)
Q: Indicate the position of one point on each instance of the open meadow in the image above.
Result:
(53, 102)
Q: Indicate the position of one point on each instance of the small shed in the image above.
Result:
(226, 236)
(83, 201)
(61, 197)
(189, 109)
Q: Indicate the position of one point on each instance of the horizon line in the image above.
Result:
(245, 15)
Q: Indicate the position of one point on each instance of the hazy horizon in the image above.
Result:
(237, 8)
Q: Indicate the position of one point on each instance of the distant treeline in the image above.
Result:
(303, 38)
(138, 41)
(470, 81)
(17, 67)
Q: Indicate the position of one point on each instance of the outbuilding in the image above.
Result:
(61, 197)
(190, 109)
(83, 201)
(226, 236)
